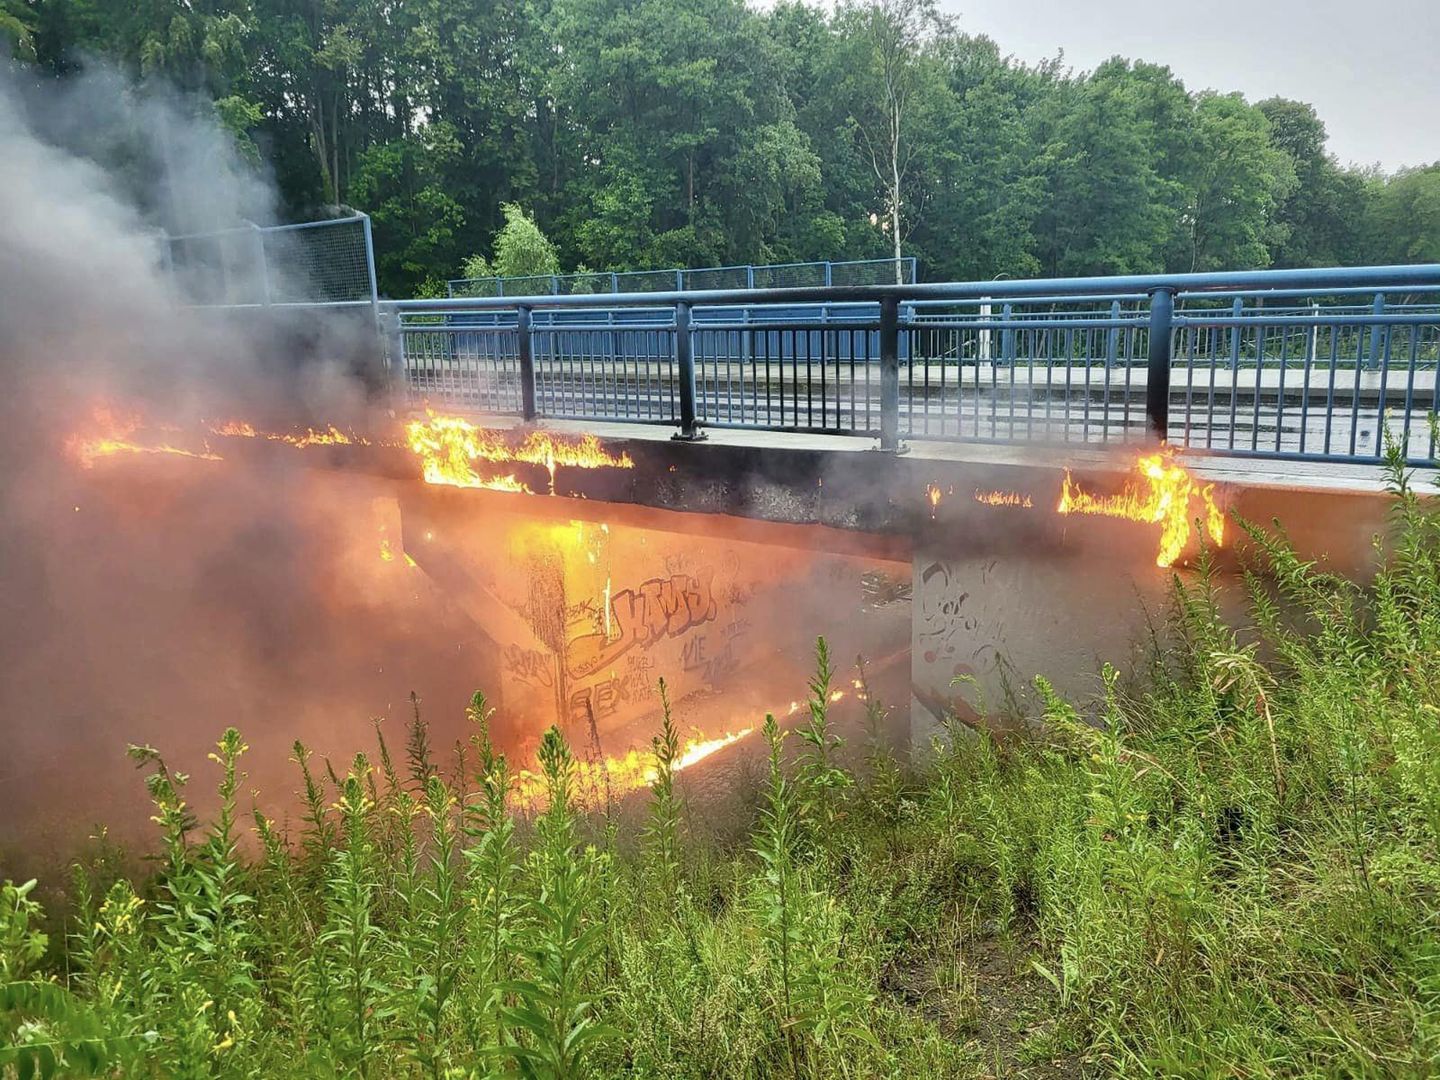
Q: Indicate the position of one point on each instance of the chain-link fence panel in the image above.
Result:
(322, 262)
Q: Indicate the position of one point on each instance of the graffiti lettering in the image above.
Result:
(698, 654)
(942, 614)
(605, 698)
(529, 665)
(660, 608)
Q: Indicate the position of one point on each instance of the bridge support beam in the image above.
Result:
(984, 623)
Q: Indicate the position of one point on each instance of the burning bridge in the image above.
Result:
(965, 480)
(1015, 424)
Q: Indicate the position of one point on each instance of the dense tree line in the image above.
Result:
(649, 133)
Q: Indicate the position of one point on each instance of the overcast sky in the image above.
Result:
(1371, 69)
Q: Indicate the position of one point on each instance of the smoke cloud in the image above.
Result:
(159, 600)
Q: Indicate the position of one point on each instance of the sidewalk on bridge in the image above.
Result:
(1250, 471)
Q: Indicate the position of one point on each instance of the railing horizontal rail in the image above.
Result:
(1373, 277)
(1307, 320)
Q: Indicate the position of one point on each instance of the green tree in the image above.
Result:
(1234, 182)
(984, 189)
(417, 221)
(17, 27)
(521, 249)
(1318, 221)
(1403, 225)
(1107, 208)
(888, 57)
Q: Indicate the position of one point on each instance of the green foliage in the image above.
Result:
(1226, 868)
(820, 785)
(659, 133)
(662, 834)
(521, 249)
(553, 1008)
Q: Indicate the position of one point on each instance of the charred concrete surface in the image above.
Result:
(588, 603)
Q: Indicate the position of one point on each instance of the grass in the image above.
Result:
(1227, 868)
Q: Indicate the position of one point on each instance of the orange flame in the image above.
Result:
(1162, 494)
(449, 447)
(331, 436)
(120, 435)
(933, 495)
(635, 769)
(1003, 498)
(624, 773)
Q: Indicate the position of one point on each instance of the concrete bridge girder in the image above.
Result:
(997, 594)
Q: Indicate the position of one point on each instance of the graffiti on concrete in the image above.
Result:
(605, 698)
(530, 666)
(660, 608)
(713, 657)
(942, 613)
(959, 629)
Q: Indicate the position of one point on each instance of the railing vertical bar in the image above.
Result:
(1310, 348)
(755, 373)
(1056, 353)
(685, 371)
(1112, 344)
(634, 389)
(527, 362)
(1157, 372)
(850, 393)
(1410, 387)
(1434, 403)
(1236, 332)
(889, 373)
(1260, 332)
(735, 365)
(1014, 361)
(1189, 336)
(1214, 352)
(769, 407)
(1330, 393)
(1130, 333)
(1380, 400)
(795, 379)
(1280, 387)
(928, 353)
(1007, 352)
(1360, 362)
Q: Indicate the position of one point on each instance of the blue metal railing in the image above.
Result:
(1312, 364)
(769, 276)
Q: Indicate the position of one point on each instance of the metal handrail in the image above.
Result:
(1379, 278)
(836, 358)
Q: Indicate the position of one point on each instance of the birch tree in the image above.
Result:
(890, 38)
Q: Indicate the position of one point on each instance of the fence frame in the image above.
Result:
(681, 276)
(266, 275)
